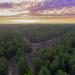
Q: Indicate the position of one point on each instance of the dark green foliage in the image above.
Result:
(47, 61)
(59, 60)
(9, 47)
(39, 33)
(13, 45)
(1, 53)
(60, 72)
(23, 67)
(44, 71)
(3, 66)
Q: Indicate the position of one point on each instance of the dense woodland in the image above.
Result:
(16, 49)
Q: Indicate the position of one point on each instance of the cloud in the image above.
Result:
(7, 13)
(16, 1)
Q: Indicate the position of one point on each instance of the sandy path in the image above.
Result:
(9, 68)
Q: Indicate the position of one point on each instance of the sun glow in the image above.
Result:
(7, 13)
(17, 1)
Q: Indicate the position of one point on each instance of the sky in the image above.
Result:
(48, 4)
(16, 1)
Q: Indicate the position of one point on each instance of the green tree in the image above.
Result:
(72, 72)
(23, 65)
(19, 53)
(44, 71)
(54, 66)
(28, 73)
(3, 66)
(38, 62)
(1, 53)
(60, 72)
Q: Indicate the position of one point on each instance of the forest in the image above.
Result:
(37, 49)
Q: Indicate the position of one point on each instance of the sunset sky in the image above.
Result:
(16, 1)
(41, 8)
(36, 7)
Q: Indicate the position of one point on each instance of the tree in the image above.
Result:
(3, 66)
(60, 72)
(28, 73)
(19, 53)
(44, 71)
(54, 66)
(1, 53)
(72, 72)
(23, 65)
(27, 47)
(38, 62)
(47, 54)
